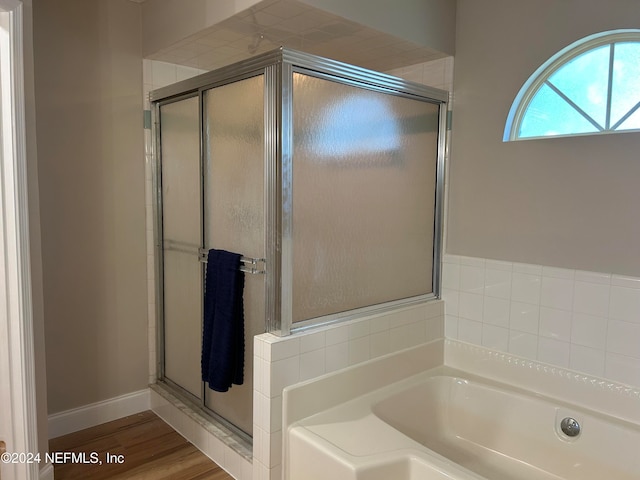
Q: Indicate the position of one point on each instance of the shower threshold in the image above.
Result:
(198, 425)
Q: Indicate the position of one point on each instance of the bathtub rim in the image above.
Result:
(563, 386)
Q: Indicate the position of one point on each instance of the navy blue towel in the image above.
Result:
(222, 358)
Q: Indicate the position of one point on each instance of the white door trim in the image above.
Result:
(17, 370)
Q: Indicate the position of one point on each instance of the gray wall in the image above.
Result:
(430, 23)
(565, 202)
(88, 88)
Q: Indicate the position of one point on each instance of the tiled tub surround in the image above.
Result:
(586, 321)
(449, 409)
(283, 361)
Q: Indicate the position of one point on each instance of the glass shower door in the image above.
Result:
(234, 214)
(181, 237)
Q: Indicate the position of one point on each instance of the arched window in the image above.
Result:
(590, 87)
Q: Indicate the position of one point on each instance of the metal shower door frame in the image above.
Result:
(278, 67)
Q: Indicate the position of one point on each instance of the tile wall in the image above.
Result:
(585, 321)
(283, 361)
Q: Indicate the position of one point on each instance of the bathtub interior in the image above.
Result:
(455, 423)
(502, 433)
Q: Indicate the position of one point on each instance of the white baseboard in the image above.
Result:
(46, 473)
(96, 413)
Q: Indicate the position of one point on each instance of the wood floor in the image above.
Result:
(148, 448)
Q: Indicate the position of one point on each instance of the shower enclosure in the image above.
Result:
(326, 177)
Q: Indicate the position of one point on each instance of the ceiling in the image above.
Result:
(274, 23)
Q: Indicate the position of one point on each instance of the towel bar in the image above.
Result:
(254, 269)
(252, 264)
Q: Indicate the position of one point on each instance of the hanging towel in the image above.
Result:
(222, 359)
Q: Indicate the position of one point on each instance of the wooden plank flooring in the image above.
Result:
(150, 448)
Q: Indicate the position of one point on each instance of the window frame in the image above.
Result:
(533, 84)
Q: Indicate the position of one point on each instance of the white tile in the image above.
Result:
(625, 281)
(284, 373)
(432, 309)
(379, 344)
(247, 469)
(448, 258)
(471, 279)
(183, 73)
(337, 357)
(555, 324)
(286, 348)
(200, 438)
(469, 331)
(147, 73)
(623, 369)
(496, 312)
(624, 304)
(498, 265)
(451, 301)
(260, 453)
(451, 326)
(593, 277)
(624, 338)
(216, 450)
(261, 403)
(359, 329)
(497, 283)
(407, 336)
(587, 360)
(589, 330)
(472, 261)
(496, 338)
(275, 473)
(359, 350)
(260, 471)
(524, 317)
(379, 324)
(471, 306)
(335, 335)
(554, 352)
(275, 408)
(554, 272)
(275, 447)
(523, 344)
(312, 341)
(435, 328)
(233, 463)
(163, 73)
(451, 276)
(556, 293)
(405, 317)
(591, 298)
(258, 347)
(312, 364)
(527, 268)
(525, 288)
(261, 376)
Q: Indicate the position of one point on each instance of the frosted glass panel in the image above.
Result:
(364, 173)
(182, 324)
(180, 144)
(182, 274)
(235, 214)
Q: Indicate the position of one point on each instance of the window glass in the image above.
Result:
(592, 86)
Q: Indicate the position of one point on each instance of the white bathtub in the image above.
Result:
(452, 423)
